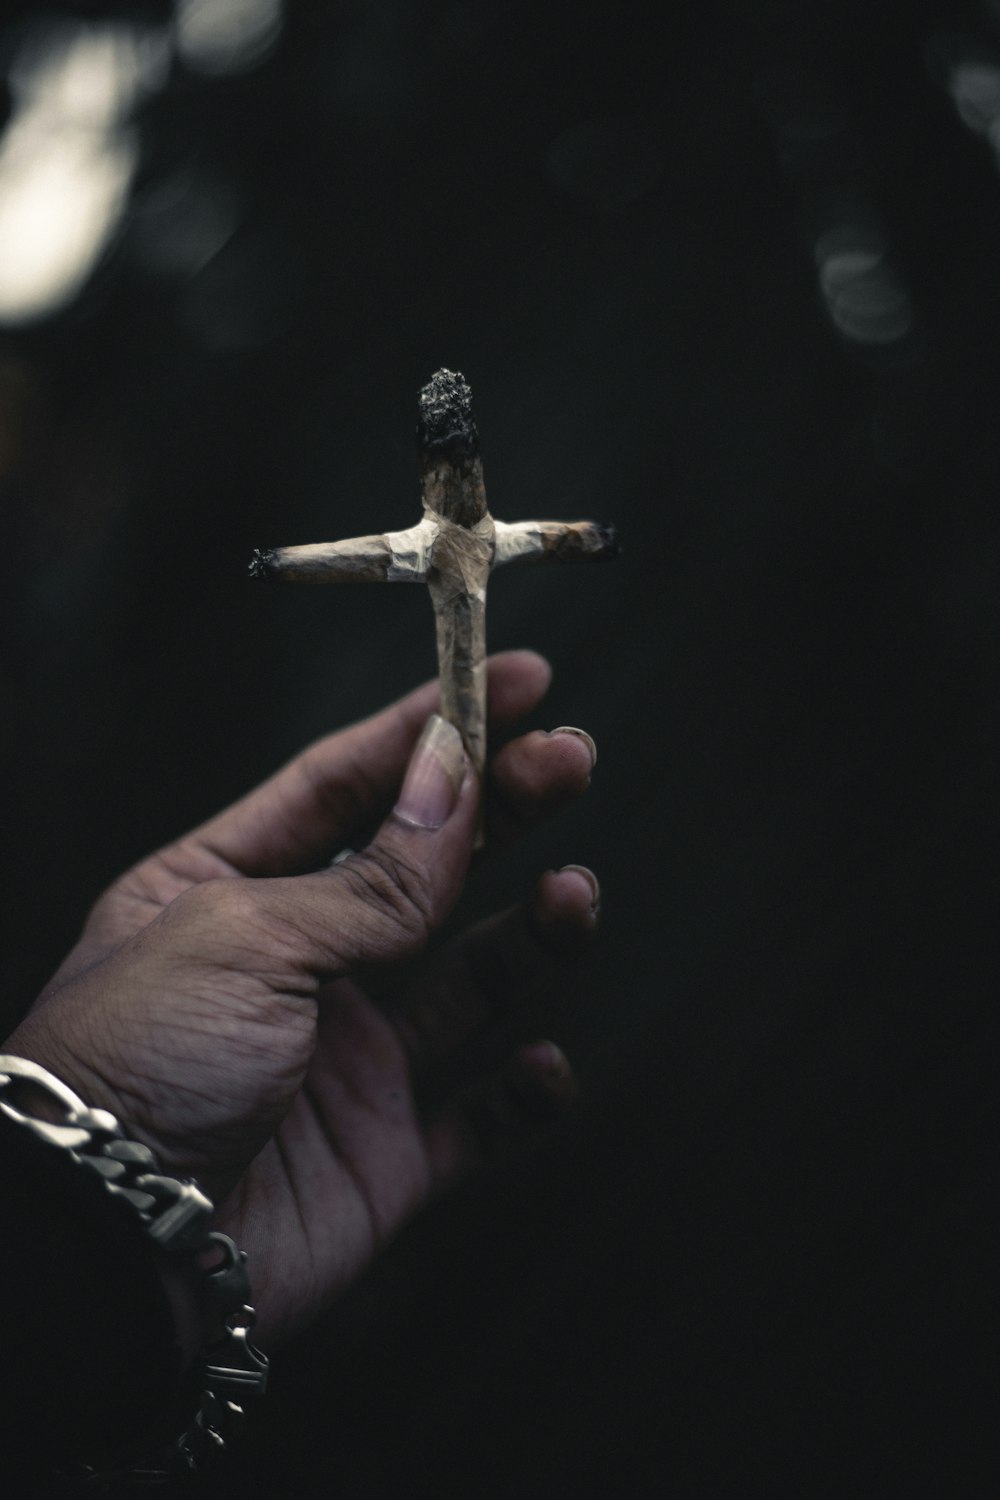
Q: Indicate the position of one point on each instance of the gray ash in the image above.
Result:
(446, 426)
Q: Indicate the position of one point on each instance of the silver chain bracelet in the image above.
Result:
(174, 1214)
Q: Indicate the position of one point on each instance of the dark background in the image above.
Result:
(728, 275)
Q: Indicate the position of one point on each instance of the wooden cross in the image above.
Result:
(452, 549)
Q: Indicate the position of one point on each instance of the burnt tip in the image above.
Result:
(261, 564)
(609, 548)
(445, 419)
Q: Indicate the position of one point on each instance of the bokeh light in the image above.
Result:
(864, 297)
(216, 37)
(68, 156)
(975, 87)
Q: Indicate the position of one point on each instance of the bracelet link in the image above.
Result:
(180, 1224)
(100, 1125)
(234, 1368)
(226, 1285)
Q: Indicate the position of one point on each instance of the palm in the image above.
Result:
(195, 1008)
(349, 1164)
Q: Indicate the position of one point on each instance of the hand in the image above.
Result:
(215, 1002)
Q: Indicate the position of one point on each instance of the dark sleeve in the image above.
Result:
(92, 1370)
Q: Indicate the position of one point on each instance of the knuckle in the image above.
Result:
(232, 923)
(218, 904)
(395, 890)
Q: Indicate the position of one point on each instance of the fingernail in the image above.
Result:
(581, 734)
(434, 776)
(592, 882)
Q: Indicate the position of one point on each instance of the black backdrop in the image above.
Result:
(726, 275)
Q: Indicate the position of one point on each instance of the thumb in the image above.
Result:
(383, 903)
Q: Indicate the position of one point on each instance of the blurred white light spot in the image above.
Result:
(226, 36)
(66, 158)
(89, 75)
(58, 209)
(973, 81)
(863, 295)
(975, 87)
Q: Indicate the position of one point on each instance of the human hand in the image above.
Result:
(217, 1004)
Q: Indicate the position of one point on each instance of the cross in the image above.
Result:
(453, 549)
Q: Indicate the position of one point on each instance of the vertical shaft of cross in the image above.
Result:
(452, 490)
(461, 650)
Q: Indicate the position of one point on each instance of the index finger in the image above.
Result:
(319, 800)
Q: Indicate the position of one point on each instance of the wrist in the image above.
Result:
(86, 1163)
